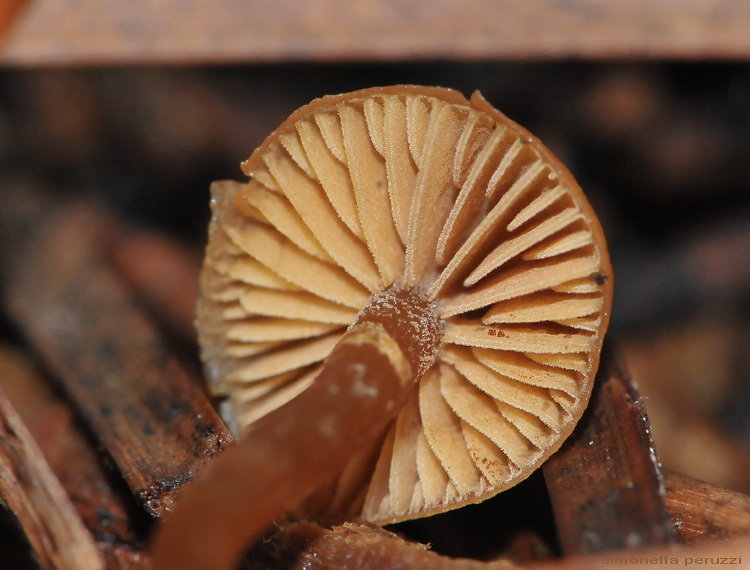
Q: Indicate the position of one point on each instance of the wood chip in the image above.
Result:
(31, 491)
(605, 482)
(135, 395)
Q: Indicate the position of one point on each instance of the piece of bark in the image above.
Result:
(170, 31)
(702, 511)
(32, 492)
(358, 545)
(136, 397)
(100, 498)
(164, 273)
(605, 483)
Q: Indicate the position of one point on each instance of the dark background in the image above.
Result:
(661, 149)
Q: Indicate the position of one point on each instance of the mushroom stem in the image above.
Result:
(287, 454)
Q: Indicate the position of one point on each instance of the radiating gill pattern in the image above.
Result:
(424, 191)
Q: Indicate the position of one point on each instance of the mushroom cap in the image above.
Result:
(414, 191)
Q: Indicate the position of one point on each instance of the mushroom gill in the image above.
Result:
(460, 233)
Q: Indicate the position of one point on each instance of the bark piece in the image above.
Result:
(135, 395)
(29, 488)
(99, 496)
(701, 511)
(164, 272)
(351, 545)
(605, 483)
(241, 31)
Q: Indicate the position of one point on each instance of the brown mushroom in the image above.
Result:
(456, 231)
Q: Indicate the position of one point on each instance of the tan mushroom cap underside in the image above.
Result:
(412, 191)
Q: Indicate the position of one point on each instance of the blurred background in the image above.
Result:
(660, 142)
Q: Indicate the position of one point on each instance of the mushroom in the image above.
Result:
(430, 220)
